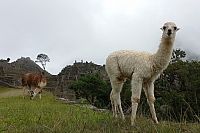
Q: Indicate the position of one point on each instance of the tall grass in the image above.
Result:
(18, 115)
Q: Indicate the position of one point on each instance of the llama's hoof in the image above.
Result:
(123, 118)
(115, 116)
(133, 125)
(155, 121)
(31, 97)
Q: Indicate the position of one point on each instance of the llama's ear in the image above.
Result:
(161, 28)
(177, 29)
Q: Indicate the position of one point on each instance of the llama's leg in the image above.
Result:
(40, 96)
(24, 91)
(149, 92)
(35, 92)
(114, 107)
(30, 91)
(115, 98)
(136, 85)
(33, 95)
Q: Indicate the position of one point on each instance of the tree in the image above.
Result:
(8, 59)
(43, 59)
(178, 55)
(91, 87)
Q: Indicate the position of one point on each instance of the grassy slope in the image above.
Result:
(47, 115)
(7, 92)
(4, 89)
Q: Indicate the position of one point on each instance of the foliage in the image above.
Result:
(179, 88)
(8, 59)
(92, 88)
(43, 59)
(178, 55)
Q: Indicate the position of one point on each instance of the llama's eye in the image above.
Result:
(175, 28)
(164, 27)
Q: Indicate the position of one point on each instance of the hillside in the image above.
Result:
(48, 115)
(20, 66)
(72, 73)
(10, 72)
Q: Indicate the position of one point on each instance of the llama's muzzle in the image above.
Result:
(169, 32)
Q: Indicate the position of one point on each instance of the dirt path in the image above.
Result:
(11, 92)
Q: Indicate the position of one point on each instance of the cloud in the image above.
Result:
(91, 29)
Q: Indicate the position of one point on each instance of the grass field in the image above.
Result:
(4, 89)
(8, 92)
(18, 115)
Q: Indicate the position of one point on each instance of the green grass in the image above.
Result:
(4, 89)
(18, 115)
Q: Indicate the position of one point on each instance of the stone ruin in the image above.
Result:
(73, 72)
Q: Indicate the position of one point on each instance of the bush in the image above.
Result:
(92, 88)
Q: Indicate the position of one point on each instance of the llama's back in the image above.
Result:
(130, 52)
(126, 61)
(127, 56)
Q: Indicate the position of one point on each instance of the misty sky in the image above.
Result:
(69, 30)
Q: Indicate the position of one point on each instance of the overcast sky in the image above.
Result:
(88, 30)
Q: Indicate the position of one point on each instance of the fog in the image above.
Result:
(89, 30)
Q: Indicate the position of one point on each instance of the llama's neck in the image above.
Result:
(162, 57)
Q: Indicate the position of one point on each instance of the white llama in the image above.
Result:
(142, 68)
